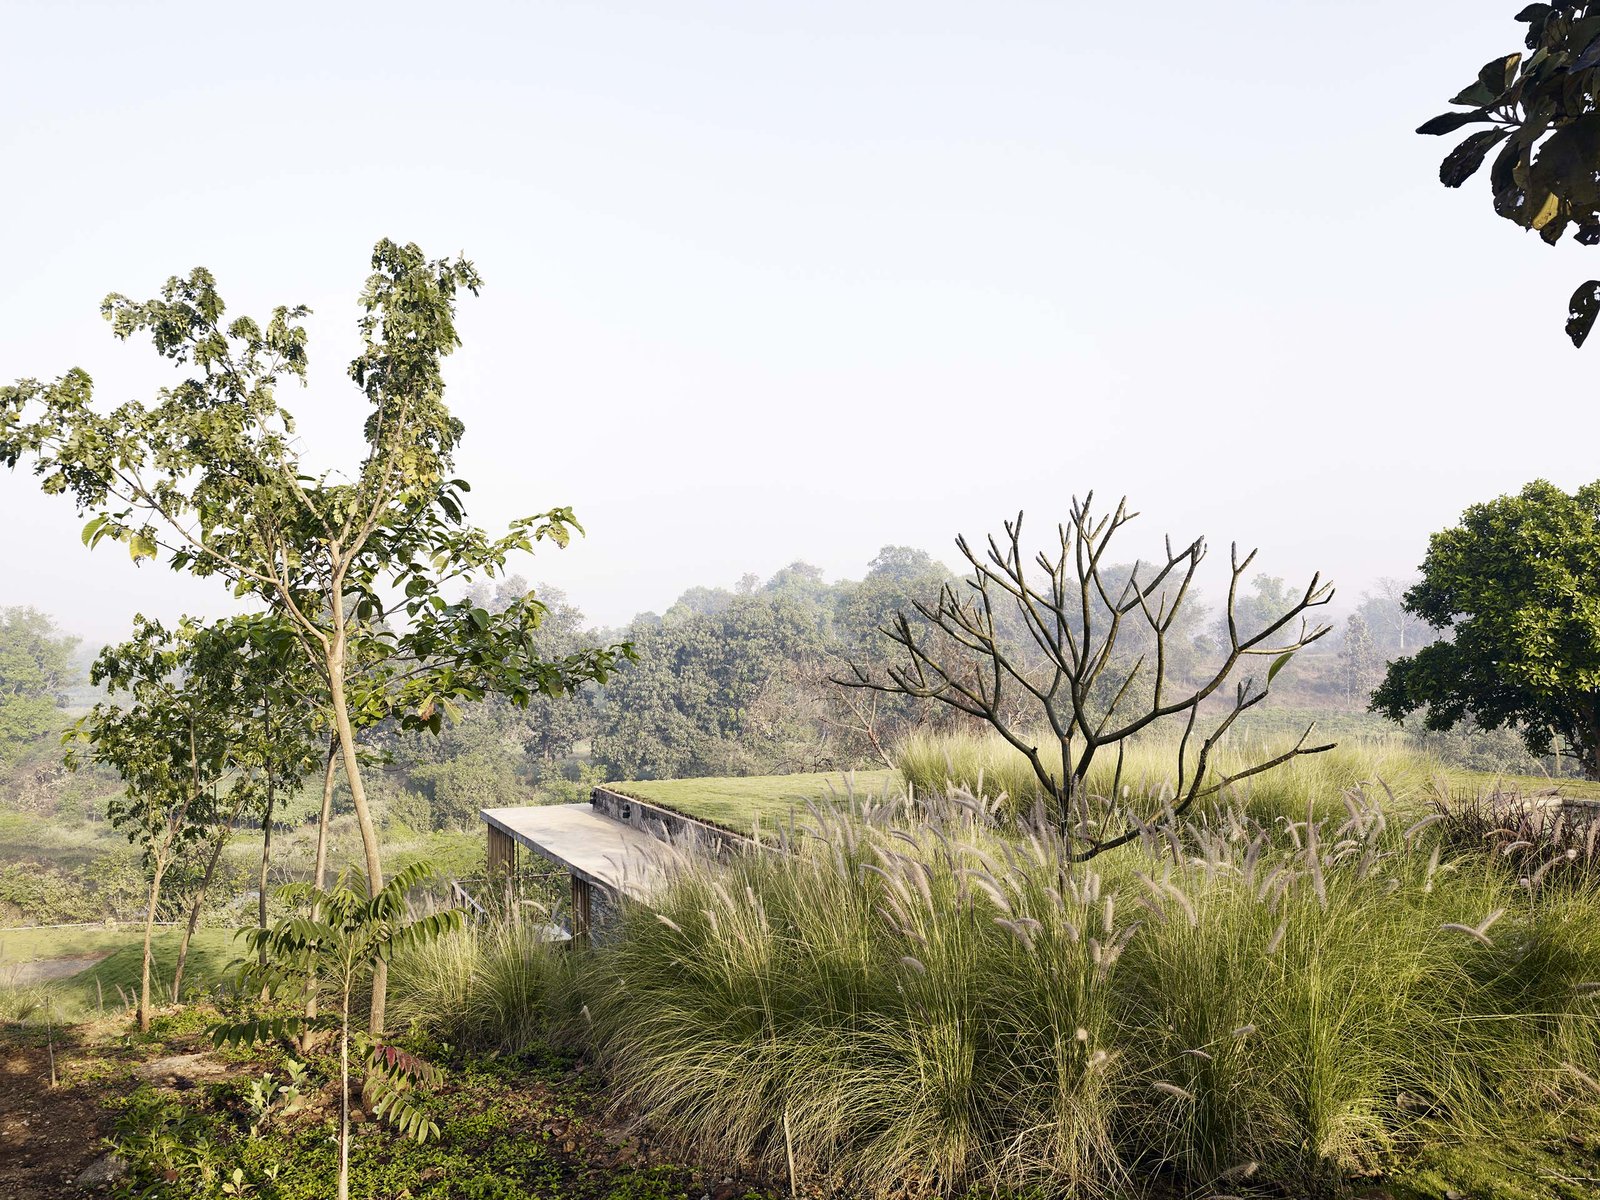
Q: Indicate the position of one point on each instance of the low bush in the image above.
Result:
(500, 986)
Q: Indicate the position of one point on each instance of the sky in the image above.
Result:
(778, 281)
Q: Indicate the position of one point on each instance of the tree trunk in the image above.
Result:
(320, 875)
(344, 1099)
(199, 901)
(266, 861)
(149, 930)
(311, 1038)
(358, 797)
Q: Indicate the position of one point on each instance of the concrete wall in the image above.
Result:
(669, 826)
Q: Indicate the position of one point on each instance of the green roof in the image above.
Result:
(738, 803)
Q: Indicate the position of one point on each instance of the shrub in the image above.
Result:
(500, 986)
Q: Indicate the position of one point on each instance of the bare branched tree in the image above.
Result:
(1065, 674)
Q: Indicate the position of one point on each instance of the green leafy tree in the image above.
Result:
(174, 740)
(35, 670)
(1515, 587)
(713, 694)
(335, 942)
(209, 477)
(1539, 113)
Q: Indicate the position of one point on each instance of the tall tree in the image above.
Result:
(1515, 587)
(1542, 111)
(210, 477)
(1396, 631)
(1358, 659)
(713, 693)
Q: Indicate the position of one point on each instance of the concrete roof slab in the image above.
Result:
(597, 849)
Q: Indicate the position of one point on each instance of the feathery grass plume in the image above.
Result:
(499, 986)
(941, 1002)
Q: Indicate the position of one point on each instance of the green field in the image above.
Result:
(739, 803)
(96, 988)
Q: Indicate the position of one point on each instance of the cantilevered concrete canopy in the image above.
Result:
(594, 849)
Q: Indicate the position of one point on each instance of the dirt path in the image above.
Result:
(47, 1135)
(44, 970)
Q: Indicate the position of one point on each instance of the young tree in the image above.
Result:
(336, 941)
(1543, 113)
(210, 477)
(174, 742)
(1076, 618)
(1516, 585)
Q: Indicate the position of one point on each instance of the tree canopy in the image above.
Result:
(1515, 587)
(35, 670)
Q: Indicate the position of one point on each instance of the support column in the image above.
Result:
(500, 859)
(580, 910)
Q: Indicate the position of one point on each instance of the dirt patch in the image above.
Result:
(46, 969)
(48, 1136)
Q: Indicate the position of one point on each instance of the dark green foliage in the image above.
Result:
(736, 682)
(1544, 113)
(1516, 585)
(509, 1129)
(712, 694)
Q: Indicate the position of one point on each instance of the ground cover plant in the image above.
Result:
(186, 1122)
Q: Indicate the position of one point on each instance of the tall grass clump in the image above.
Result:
(952, 1006)
(986, 764)
(497, 986)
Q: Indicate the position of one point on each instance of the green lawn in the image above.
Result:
(738, 803)
(84, 994)
(32, 945)
(1468, 781)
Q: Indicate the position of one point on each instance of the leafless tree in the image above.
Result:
(1076, 621)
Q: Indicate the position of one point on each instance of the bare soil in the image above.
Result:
(46, 969)
(48, 1135)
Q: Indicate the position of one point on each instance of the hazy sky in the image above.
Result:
(775, 281)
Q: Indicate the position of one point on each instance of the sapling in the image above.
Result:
(332, 942)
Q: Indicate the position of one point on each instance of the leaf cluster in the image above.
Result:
(1542, 112)
(333, 938)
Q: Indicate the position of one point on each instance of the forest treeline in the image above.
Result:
(730, 680)
(735, 680)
